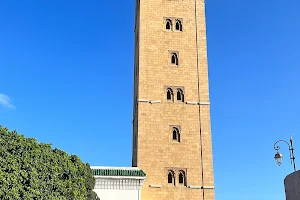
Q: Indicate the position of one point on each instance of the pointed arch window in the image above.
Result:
(175, 134)
(182, 178)
(169, 94)
(168, 25)
(178, 25)
(171, 177)
(180, 95)
(174, 59)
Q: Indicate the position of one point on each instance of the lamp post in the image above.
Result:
(278, 156)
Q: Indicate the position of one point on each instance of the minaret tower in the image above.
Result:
(172, 140)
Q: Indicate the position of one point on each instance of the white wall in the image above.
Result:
(118, 188)
(115, 194)
(292, 186)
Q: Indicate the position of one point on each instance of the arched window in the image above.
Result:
(174, 59)
(176, 134)
(178, 25)
(169, 94)
(168, 25)
(180, 95)
(171, 177)
(181, 179)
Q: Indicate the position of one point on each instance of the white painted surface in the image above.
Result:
(115, 194)
(292, 186)
(119, 187)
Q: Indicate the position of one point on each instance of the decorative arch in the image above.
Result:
(178, 25)
(175, 134)
(171, 177)
(169, 94)
(182, 178)
(168, 24)
(180, 95)
(174, 59)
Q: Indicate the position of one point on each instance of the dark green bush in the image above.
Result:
(32, 170)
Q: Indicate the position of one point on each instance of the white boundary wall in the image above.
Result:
(115, 194)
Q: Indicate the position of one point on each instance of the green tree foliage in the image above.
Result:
(32, 170)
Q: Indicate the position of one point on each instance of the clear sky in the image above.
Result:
(67, 78)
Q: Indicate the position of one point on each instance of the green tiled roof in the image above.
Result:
(118, 172)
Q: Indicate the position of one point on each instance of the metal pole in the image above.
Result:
(292, 154)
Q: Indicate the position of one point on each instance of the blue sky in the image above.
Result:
(67, 77)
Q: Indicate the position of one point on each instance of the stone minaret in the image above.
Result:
(172, 140)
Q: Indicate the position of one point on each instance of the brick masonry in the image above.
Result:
(153, 149)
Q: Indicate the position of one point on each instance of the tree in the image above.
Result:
(35, 171)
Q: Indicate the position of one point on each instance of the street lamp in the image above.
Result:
(278, 156)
